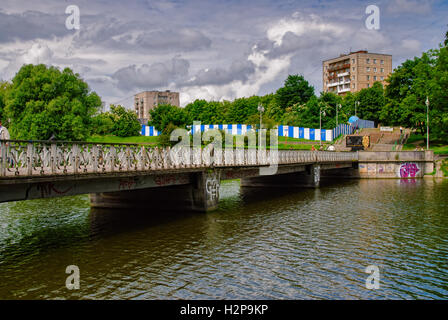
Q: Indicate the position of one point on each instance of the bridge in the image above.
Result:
(185, 178)
(137, 175)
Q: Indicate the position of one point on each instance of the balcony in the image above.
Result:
(339, 67)
(345, 74)
(343, 90)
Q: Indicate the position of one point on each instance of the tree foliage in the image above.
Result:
(43, 101)
(164, 114)
(296, 90)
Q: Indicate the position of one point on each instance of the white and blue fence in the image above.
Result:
(239, 129)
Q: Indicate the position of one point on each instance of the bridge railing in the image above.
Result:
(41, 158)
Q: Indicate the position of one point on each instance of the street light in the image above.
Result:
(321, 113)
(427, 123)
(337, 108)
(261, 110)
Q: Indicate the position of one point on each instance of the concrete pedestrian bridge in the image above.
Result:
(184, 178)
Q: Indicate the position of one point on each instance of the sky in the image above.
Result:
(208, 49)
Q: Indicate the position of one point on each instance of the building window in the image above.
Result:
(353, 61)
(367, 60)
(354, 86)
(382, 78)
(354, 68)
(368, 85)
(368, 78)
(374, 78)
(374, 61)
(368, 69)
(382, 70)
(382, 61)
(353, 78)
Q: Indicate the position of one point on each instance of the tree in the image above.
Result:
(409, 85)
(3, 91)
(241, 109)
(43, 101)
(212, 112)
(296, 90)
(371, 102)
(125, 122)
(165, 114)
(446, 39)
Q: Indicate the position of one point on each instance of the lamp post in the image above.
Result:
(321, 113)
(261, 110)
(337, 109)
(427, 123)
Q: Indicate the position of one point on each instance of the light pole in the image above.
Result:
(337, 108)
(427, 123)
(261, 110)
(356, 104)
(321, 113)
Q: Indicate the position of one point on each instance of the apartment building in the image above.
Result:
(148, 100)
(355, 71)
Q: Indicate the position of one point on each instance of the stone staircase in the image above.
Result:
(379, 140)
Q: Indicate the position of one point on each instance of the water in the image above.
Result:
(262, 244)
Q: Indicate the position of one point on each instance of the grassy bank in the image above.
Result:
(283, 143)
(417, 140)
(115, 139)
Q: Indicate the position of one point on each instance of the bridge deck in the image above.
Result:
(25, 160)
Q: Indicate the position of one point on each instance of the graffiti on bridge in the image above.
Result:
(409, 170)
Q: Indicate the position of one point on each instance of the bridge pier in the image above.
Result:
(201, 194)
(309, 177)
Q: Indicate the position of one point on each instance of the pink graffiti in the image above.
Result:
(408, 170)
(126, 184)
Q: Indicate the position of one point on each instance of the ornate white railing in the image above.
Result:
(37, 158)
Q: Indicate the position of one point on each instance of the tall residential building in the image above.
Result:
(148, 100)
(355, 71)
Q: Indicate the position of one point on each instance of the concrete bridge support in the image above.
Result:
(308, 177)
(201, 194)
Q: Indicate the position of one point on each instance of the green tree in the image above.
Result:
(212, 112)
(125, 122)
(296, 90)
(371, 102)
(241, 109)
(409, 85)
(165, 114)
(3, 91)
(43, 101)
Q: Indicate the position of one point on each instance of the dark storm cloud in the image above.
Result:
(238, 70)
(31, 25)
(151, 76)
(183, 39)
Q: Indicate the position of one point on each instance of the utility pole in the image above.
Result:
(337, 108)
(320, 125)
(261, 110)
(427, 123)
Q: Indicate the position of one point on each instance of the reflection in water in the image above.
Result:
(259, 244)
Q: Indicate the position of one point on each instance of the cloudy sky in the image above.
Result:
(211, 49)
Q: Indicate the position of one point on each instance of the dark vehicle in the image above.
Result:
(357, 142)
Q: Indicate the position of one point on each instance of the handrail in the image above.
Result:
(20, 158)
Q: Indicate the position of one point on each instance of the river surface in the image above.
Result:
(259, 244)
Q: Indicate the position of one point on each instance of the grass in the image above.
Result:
(283, 144)
(444, 167)
(115, 139)
(418, 140)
